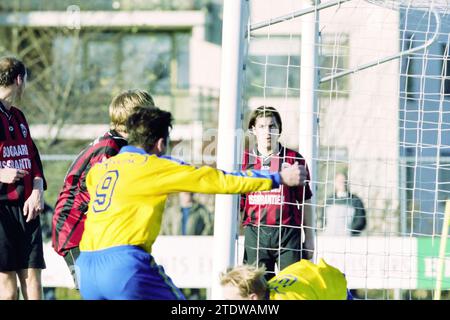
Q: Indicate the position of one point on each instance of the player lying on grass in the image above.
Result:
(128, 194)
(302, 280)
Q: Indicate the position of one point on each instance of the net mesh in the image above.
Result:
(383, 133)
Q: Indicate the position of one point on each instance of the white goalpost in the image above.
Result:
(228, 152)
(363, 89)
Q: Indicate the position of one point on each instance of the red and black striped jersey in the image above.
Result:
(72, 203)
(267, 207)
(17, 150)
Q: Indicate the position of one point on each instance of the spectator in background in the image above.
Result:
(22, 186)
(344, 212)
(191, 218)
(196, 220)
(73, 199)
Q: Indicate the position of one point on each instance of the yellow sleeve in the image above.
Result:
(176, 177)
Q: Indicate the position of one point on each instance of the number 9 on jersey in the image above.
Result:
(104, 191)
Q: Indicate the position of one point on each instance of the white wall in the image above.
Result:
(372, 263)
(204, 68)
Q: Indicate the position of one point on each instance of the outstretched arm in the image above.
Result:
(179, 177)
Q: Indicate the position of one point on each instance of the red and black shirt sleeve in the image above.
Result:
(73, 200)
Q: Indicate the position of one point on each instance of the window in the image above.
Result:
(276, 75)
(87, 70)
(445, 70)
(334, 55)
(100, 63)
(426, 196)
(273, 65)
(146, 61)
(412, 65)
(114, 60)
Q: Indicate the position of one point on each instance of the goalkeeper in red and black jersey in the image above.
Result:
(273, 220)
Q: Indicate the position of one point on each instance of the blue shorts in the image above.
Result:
(123, 273)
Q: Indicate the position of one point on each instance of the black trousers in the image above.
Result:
(270, 245)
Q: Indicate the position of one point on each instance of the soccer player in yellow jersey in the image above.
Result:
(302, 280)
(127, 197)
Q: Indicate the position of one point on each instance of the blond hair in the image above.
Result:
(123, 104)
(248, 279)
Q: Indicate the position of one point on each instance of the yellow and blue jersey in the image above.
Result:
(305, 280)
(129, 191)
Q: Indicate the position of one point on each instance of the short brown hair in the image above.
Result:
(123, 104)
(146, 125)
(10, 69)
(248, 279)
(262, 112)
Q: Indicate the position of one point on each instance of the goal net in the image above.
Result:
(380, 173)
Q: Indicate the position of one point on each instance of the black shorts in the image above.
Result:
(273, 245)
(20, 241)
